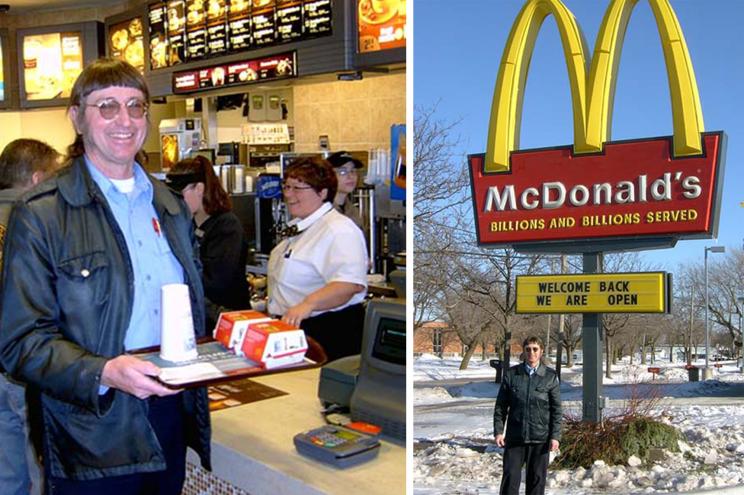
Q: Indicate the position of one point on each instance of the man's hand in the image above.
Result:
(133, 376)
(554, 445)
(500, 440)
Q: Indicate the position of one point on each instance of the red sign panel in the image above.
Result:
(270, 68)
(632, 189)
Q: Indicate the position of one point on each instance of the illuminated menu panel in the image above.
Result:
(271, 68)
(216, 27)
(239, 25)
(126, 42)
(158, 36)
(263, 22)
(51, 63)
(288, 20)
(176, 24)
(382, 24)
(317, 20)
(196, 29)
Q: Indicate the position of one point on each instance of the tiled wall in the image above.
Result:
(355, 115)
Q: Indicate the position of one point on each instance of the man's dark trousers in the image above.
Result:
(536, 456)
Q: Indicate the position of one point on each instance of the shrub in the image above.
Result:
(613, 440)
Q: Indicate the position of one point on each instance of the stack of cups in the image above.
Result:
(177, 339)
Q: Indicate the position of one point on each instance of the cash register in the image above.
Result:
(373, 384)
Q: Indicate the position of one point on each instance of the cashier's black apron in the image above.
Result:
(338, 332)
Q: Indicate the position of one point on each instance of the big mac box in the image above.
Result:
(232, 326)
(274, 343)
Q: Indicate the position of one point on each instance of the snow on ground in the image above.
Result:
(454, 452)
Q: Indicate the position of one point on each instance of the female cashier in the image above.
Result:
(318, 275)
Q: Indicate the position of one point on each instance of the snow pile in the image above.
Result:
(432, 395)
(709, 458)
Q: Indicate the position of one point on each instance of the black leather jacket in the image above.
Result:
(532, 405)
(67, 298)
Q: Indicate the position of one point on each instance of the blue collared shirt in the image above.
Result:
(530, 369)
(153, 262)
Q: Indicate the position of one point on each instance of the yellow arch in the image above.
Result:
(592, 96)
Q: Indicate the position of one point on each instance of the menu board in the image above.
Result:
(176, 24)
(317, 18)
(216, 27)
(196, 29)
(126, 42)
(239, 25)
(263, 22)
(288, 20)
(158, 36)
(185, 30)
(51, 63)
(382, 24)
(271, 68)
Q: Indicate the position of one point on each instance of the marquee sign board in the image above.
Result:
(596, 293)
(596, 190)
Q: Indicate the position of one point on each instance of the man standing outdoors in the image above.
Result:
(86, 255)
(23, 164)
(529, 401)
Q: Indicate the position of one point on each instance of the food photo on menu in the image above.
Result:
(127, 43)
(216, 9)
(195, 15)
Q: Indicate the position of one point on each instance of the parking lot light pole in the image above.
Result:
(707, 373)
(740, 300)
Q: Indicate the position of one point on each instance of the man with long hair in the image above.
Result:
(86, 256)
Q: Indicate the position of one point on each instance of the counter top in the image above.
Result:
(252, 447)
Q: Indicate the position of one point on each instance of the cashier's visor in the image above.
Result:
(178, 181)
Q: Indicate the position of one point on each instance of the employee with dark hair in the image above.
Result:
(529, 401)
(222, 244)
(347, 173)
(317, 277)
(86, 256)
(23, 164)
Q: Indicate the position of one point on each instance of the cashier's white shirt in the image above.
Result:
(331, 249)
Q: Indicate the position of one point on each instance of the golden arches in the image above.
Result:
(592, 96)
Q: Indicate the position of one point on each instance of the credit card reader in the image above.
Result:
(336, 445)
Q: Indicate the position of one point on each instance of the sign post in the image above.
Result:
(591, 337)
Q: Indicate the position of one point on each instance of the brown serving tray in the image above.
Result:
(229, 366)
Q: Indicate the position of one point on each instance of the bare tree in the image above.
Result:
(440, 185)
(614, 323)
(726, 285)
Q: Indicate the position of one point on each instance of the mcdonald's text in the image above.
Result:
(554, 194)
(633, 188)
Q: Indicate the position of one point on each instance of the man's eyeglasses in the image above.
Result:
(531, 349)
(110, 108)
(346, 171)
(288, 187)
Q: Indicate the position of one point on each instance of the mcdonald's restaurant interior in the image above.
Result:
(334, 87)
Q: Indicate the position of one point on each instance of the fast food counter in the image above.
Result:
(252, 448)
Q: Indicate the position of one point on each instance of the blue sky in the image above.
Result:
(458, 46)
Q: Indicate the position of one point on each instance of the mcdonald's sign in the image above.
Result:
(597, 189)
